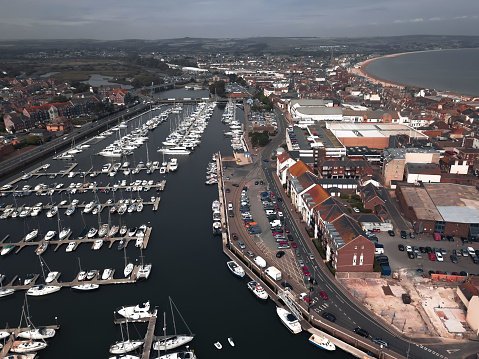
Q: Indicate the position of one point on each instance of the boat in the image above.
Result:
(236, 269)
(50, 235)
(7, 249)
(139, 242)
(6, 292)
(289, 320)
(4, 335)
(168, 342)
(186, 354)
(29, 279)
(38, 333)
(27, 346)
(123, 230)
(122, 243)
(218, 345)
(230, 340)
(102, 232)
(91, 274)
(132, 231)
(138, 311)
(86, 287)
(52, 212)
(92, 232)
(173, 164)
(51, 277)
(39, 290)
(125, 346)
(32, 235)
(70, 246)
(257, 290)
(113, 231)
(41, 248)
(128, 269)
(144, 271)
(107, 273)
(217, 227)
(322, 342)
(64, 233)
(215, 206)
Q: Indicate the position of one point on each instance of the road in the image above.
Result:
(349, 312)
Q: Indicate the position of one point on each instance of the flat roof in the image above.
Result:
(459, 214)
(450, 194)
(418, 198)
(379, 129)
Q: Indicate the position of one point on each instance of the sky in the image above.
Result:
(164, 19)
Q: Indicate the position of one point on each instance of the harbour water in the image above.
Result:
(102, 80)
(445, 70)
(188, 265)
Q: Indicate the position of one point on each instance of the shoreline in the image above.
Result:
(361, 70)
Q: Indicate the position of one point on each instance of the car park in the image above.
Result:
(362, 332)
(329, 316)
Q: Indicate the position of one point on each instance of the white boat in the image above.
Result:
(123, 230)
(218, 345)
(137, 311)
(51, 277)
(70, 246)
(144, 271)
(52, 212)
(132, 231)
(187, 354)
(289, 320)
(39, 290)
(173, 164)
(98, 244)
(86, 287)
(257, 290)
(64, 233)
(82, 275)
(38, 333)
(139, 242)
(42, 247)
(50, 235)
(215, 206)
(125, 346)
(236, 269)
(106, 274)
(27, 346)
(5, 292)
(113, 231)
(4, 335)
(128, 269)
(102, 232)
(322, 342)
(7, 249)
(91, 274)
(178, 150)
(230, 340)
(92, 232)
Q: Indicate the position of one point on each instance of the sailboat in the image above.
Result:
(125, 346)
(128, 266)
(173, 341)
(144, 269)
(42, 289)
(32, 332)
(5, 292)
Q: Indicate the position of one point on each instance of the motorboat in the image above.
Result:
(27, 346)
(38, 333)
(217, 227)
(106, 274)
(86, 287)
(186, 354)
(98, 244)
(322, 342)
(51, 277)
(257, 290)
(230, 340)
(5, 292)
(41, 248)
(4, 335)
(70, 246)
(218, 345)
(64, 233)
(52, 212)
(136, 311)
(122, 243)
(215, 206)
(29, 279)
(236, 269)
(92, 232)
(123, 230)
(139, 242)
(132, 231)
(7, 249)
(144, 271)
(125, 346)
(102, 232)
(39, 290)
(50, 235)
(91, 274)
(289, 320)
(82, 275)
(128, 269)
(142, 229)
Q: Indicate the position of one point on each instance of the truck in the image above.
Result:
(273, 272)
(379, 248)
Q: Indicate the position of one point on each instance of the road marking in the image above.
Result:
(450, 351)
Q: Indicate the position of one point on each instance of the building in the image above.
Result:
(468, 294)
(422, 172)
(343, 168)
(445, 208)
(60, 124)
(16, 122)
(371, 197)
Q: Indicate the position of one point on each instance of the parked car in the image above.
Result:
(453, 259)
(305, 270)
(355, 209)
(432, 256)
(401, 247)
(329, 316)
(403, 235)
(241, 245)
(411, 235)
(391, 233)
(439, 257)
(279, 254)
(234, 236)
(250, 253)
(410, 255)
(294, 245)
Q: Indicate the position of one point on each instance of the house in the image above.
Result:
(60, 124)
(16, 122)
(283, 162)
(371, 196)
(119, 97)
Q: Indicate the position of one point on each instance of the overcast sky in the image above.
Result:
(160, 19)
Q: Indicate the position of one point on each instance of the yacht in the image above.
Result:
(7, 249)
(144, 271)
(173, 164)
(106, 274)
(85, 287)
(51, 277)
(123, 230)
(92, 232)
(125, 346)
(128, 269)
(257, 290)
(5, 292)
(188, 354)
(52, 212)
(113, 231)
(41, 248)
(82, 275)
(98, 244)
(64, 233)
(137, 311)
(41, 289)
(70, 246)
(289, 320)
(177, 150)
(132, 231)
(27, 346)
(102, 232)
(139, 242)
(50, 235)
(215, 206)
(236, 269)
(40, 333)
(91, 274)
(322, 342)
(172, 342)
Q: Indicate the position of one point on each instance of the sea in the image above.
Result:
(444, 70)
(188, 263)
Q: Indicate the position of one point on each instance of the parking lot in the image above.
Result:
(399, 259)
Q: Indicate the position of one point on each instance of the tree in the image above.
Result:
(33, 140)
(59, 98)
(218, 88)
